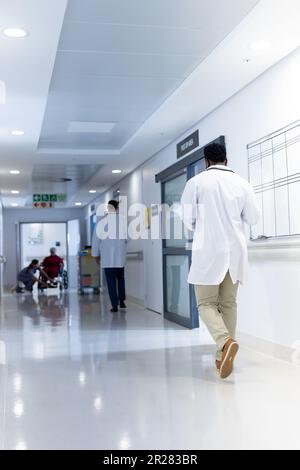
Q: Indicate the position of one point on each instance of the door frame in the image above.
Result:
(192, 321)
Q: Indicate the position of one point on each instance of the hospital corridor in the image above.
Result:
(149, 229)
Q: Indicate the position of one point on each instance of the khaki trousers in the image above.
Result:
(217, 307)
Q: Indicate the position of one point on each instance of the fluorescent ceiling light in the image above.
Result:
(14, 191)
(260, 46)
(14, 172)
(18, 132)
(15, 33)
(117, 172)
(14, 204)
(2, 92)
(92, 191)
(84, 127)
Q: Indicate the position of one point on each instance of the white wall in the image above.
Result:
(11, 217)
(73, 228)
(269, 302)
(1, 247)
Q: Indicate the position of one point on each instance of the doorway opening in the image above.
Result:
(36, 239)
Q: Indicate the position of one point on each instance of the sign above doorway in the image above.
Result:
(188, 144)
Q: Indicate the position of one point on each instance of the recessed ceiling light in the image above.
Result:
(92, 191)
(15, 33)
(260, 46)
(18, 132)
(78, 203)
(14, 191)
(14, 172)
(116, 172)
(14, 204)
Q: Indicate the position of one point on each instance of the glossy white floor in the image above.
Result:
(78, 377)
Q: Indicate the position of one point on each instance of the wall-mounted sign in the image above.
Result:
(49, 198)
(43, 205)
(188, 144)
(148, 218)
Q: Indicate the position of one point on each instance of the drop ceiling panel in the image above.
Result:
(57, 138)
(138, 39)
(167, 13)
(89, 110)
(132, 65)
(112, 86)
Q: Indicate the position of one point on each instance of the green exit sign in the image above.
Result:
(49, 197)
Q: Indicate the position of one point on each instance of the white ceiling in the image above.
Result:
(26, 69)
(119, 60)
(151, 67)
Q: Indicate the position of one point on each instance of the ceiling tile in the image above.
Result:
(138, 39)
(166, 13)
(125, 65)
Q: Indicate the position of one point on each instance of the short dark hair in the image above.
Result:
(215, 153)
(34, 262)
(114, 203)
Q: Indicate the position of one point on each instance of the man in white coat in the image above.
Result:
(217, 204)
(109, 246)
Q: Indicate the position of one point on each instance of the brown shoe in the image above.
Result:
(229, 353)
(218, 366)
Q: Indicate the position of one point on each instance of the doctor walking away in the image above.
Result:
(216, 205)
(110, 251)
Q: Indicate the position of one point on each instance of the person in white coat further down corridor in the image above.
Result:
(216, 205)
(111, 248)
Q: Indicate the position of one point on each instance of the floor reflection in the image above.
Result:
(79, 377)
(52, 308)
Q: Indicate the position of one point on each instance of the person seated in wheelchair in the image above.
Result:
(53, 265)
(28, 276)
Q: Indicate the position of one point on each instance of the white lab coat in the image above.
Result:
(216, 204)
(112, 250)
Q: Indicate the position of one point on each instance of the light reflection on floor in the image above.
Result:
(78, 377)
